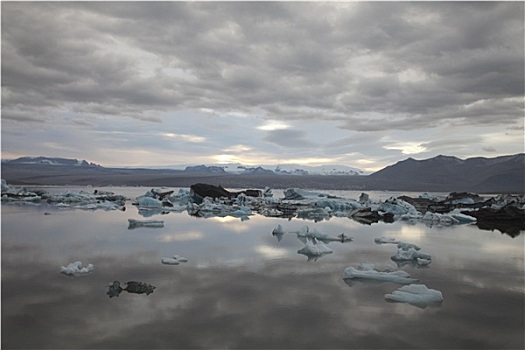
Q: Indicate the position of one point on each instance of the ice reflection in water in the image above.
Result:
(239, 276)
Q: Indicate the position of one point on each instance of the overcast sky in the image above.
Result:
(362, 84)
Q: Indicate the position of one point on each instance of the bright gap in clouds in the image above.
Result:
(272, 125)
(406, 147)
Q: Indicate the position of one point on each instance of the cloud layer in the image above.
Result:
(420, 74)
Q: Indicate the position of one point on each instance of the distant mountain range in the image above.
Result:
(497, 174)
(278, 169)
(50, 161)
(438, 174)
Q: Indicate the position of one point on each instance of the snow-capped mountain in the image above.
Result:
(49, 161)
(295, 169)
(279, 169)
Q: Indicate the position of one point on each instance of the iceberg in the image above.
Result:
(439, 219)
(145, 202)
(462, 218)
(175, 260)
(278, 232)
(399, 208)
(416, 294)
(314, 249)
(409, 254)
(76, 200)
(366, 272)
(115, 289)
(407, 246)
(76, 269)
(367, 216)
(299, 194)
(145, 223)
(305, 233)
(210, 208)
(139, 288)
(423, 262)
(316, 214)
(386, 240)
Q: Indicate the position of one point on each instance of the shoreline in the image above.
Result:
(318, 182)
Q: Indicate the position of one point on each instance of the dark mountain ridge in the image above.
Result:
(505, 174)
(500, 174)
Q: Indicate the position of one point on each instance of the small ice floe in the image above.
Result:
(344, 238)
(409, 254)
(314, 249)
(139, 288)
(367, 272)
(278, 232)
(423, 262)
(386, 240)
(114, 289)
(176, 260)
(407, 246)
(305, 232)
(416, 294)
(145, 223)
(133, 287)
(76, 269)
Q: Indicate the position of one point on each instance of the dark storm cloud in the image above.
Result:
(370, 67)
(338, 59)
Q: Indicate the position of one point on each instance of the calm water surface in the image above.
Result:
(242, 288)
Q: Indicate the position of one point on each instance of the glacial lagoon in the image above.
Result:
(242, 287)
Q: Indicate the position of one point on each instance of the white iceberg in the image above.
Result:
(410, 254)
(314, 249)
(76, 269)
(367, 272)
(305, 232)
(407, 246)
(462, 218)
(399, 208)
(175, 260)
(170, 261)
(145, 223)
(321, 236)
(416, 294)
(439, 219)
(278, 232)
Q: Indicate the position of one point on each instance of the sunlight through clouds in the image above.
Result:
(407, 147)
(258, 87)
(272, 125)
(188, 138)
